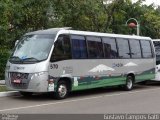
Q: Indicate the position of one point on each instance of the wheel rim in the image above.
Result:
(129, 83)
(62, 91)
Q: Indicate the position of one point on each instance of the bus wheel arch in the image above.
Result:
(68, 82)
(64, 86)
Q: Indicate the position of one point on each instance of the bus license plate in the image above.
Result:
(17, 81)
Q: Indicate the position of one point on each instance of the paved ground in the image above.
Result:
(143, 99)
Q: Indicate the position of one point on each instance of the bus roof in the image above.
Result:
(156, 39)
(48, 31)
(87, 33)
(107, 34)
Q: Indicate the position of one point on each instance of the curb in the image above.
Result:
(10, 93)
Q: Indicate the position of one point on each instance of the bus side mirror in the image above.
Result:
(16, 42)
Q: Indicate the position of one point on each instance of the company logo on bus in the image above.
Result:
(18, 68)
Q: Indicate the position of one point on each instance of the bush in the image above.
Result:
(4, 54)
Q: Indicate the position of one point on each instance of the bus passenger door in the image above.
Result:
(60, 57)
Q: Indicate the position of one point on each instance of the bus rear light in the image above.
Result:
(50, 81)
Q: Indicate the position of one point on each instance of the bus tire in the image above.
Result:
(62, 90)
(26, 94)
(129, 83)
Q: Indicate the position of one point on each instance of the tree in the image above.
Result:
(80, 14)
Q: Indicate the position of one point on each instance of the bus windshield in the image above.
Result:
(32, 48)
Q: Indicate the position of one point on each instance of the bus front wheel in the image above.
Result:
(129, 83)
(62, 90)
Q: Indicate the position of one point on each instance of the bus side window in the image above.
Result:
(95, 47)
(79, 47)
(110, 49)
(146, 49)
(62, 49)
(123, 48)
(135, 48)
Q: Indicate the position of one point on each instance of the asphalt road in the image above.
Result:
(142, 99)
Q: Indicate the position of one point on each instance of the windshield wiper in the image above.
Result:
(31, 59)
(15, 58)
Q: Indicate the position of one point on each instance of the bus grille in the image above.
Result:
(19, 80)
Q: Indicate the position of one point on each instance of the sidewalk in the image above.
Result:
(7, 93)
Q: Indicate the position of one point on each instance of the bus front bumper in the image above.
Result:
(37, 82)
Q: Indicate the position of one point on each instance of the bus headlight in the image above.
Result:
(38, 74)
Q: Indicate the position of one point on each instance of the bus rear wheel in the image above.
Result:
(62, 90)
(129, 83)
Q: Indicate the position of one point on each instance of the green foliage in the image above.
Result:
(4, 54)
(3, 88)
(80, 14)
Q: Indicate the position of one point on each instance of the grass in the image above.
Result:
(3, 88)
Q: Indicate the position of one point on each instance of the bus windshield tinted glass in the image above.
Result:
(157, 50)
(33, 48)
